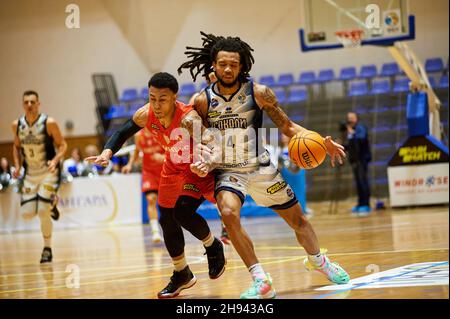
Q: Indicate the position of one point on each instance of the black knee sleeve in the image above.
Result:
(186, 215)
(172, 232)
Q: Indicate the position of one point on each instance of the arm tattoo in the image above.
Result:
(273, 109)
(278, 116)
(268, 96)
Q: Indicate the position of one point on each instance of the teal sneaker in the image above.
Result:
(260, 289)
(332, 271)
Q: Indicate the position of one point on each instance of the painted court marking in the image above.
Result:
(419, 274)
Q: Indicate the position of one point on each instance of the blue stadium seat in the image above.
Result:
(390, 69)
(297, 95)
(325, 76)
(347, 74)
(296, 118)
(144, 94)
(432, 81)
(401, 85)
(285, 79)
(382, 145)
(268, 80)
(116, 111)
(380, 87)
(129, 95)
(358, 89)
(202, 86)
(378, 163)
(381, 181)
(133, 108)
(368, 71)
(380, 109)
(307, 78)
(187, 89)
(434, 65)
(280, 93)
(443, 83)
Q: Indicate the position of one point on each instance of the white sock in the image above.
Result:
(257, 271)
(179, 264)
(154, 226)
(317, 260)
(208, 241)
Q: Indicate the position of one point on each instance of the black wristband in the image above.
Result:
(128, 129)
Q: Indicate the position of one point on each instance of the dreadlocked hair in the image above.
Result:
(201, 59)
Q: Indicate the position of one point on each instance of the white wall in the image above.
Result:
(38, 52)
(133, 39)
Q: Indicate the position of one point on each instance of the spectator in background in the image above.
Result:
(359, 156)
(74, 165)
(5, 174)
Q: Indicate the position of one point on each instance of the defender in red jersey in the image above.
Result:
(180, 191)
(176, 177)
(152, 163)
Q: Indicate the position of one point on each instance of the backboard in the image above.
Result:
(382, 21)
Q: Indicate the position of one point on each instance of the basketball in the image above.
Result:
(307, 150)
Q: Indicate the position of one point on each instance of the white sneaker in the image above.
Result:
(156, 237)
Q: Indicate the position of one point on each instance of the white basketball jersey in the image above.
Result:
(36, 145)
(238, 118)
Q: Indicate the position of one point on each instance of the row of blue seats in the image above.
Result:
(384, 86)
(121, 110)
(346, 74)
(305, 78)
(295, 95)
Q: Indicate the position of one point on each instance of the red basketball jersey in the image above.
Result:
(149, 146)
(178, 148)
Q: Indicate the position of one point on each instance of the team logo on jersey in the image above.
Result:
(233, 179)
(276, 187)
(213, 114)
(49, 188)
(191, 187)
(241, 98)
(214, 102)
(154, 126)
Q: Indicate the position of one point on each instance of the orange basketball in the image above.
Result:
(307, 150)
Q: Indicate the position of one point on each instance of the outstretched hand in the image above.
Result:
(335, 150)
(102, 159)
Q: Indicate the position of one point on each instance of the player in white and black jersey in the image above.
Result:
(234, 106)
(39, 148)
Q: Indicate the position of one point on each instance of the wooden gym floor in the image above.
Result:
(121, 262)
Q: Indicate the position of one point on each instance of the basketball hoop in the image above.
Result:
(350, 39)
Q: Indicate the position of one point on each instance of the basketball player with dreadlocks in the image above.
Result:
(39, 148)
(180, 191)
(234, 102)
